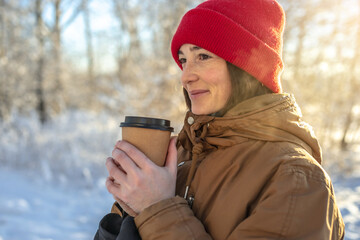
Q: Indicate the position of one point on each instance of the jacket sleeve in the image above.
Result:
(298, 203)
(295, 204)
(170, 219)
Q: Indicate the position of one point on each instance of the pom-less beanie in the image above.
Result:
(246, 33)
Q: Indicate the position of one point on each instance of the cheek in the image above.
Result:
(225, 88)
(223, 83)
(228, 89)
(224, 95)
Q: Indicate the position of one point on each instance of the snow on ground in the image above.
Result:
(52, 178)
(34, 209)
(347, 192)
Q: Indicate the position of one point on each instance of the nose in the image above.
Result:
(189, 74)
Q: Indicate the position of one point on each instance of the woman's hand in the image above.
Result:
(136, 181)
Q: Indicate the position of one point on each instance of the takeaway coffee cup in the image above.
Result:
(149, 135)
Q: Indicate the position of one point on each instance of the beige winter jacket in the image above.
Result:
(253, 174)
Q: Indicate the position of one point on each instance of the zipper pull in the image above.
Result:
(191, 201)
(186, 192)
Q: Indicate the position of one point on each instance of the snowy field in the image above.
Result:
(52, 178)
(32, 209)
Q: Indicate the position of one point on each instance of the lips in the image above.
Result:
(197, 93)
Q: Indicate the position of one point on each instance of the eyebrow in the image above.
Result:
(191, 49)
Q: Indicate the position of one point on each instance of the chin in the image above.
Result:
(197, 111)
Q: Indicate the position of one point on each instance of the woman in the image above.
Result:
(248, 166)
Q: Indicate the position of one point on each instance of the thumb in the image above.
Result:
(171, 158)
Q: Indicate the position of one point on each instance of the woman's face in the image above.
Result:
(206, 79)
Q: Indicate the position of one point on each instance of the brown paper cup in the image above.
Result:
(149, 135)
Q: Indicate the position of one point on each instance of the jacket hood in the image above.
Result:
(270, 117)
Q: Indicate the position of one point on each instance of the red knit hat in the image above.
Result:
(246, 33)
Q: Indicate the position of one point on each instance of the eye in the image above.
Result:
(182, 60)
(203, 56)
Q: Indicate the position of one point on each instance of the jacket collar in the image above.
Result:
(270, 117)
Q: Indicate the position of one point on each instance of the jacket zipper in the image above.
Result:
(191, 200)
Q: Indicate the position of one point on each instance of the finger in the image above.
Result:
(118, 165)
(135, 154)
(114, 171)
(171, 158)
(113, 188)
(121, 158)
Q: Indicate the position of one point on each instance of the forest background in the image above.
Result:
(70, 70)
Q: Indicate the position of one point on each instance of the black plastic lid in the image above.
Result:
(145, 122)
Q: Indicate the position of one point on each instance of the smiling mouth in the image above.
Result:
(197, 93)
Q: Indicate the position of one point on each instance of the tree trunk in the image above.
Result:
(3, 96)
(300, 47)
(2, 29)
(130, 57)
(57, 56)
(90, 55)
(41, 105)
(89, 45)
